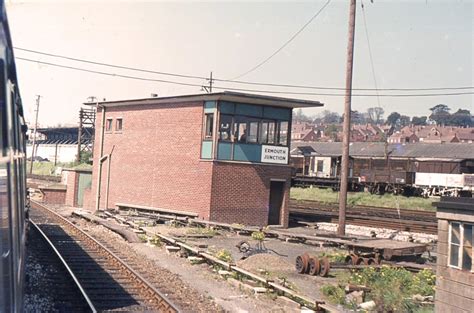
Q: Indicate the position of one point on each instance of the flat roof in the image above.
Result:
(224, 96)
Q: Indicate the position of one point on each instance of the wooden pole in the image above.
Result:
(341, 231)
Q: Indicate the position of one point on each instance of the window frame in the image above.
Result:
(231, 128)
(117, 122)
(460, 245)
(109, 124)
(208, 126)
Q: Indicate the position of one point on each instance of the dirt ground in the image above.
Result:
(201, 282)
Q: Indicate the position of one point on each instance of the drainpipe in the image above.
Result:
(109, 160)
(101, 157)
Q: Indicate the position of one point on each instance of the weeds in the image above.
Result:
(390, 288)
(362, 198)
(224, 255)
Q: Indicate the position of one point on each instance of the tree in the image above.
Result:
(332, 131)
(376, 114)
(404, 120)
(461, 118)
(301, 117)
(419, 120)
(393, 119)
(331, 117)
(357, 117)
(440, 114)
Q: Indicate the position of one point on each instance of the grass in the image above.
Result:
(363, 198)
(48, 168)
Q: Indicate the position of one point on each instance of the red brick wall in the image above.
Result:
(71, 193)
(54, 196)
(241, 192)
(156, 160)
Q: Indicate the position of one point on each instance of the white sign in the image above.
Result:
(273, 154)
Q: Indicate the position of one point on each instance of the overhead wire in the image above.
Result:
(233, 88)
(370, 54)
(286, 43)
(234, 81)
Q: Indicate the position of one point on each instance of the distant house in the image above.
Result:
(432, 134)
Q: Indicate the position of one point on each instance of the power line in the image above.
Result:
(286, 43)
(236, 81)
(108, 64)
(238, 89)
(370, 53)
(106, 73)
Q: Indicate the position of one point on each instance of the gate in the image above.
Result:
(85, 181)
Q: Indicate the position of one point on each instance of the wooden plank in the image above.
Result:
(147, 208)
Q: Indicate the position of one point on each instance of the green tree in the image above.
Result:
(440, 114)
(393, 119)
(419, 120)
(376, 114)
(461, 118)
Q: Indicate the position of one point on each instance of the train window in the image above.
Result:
(320, 167)
(460, 246)
(108, 125)
(118, 124)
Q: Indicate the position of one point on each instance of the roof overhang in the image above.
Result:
(222, 96)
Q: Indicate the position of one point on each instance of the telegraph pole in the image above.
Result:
(341, 231)
(34, 133)
(211, 82)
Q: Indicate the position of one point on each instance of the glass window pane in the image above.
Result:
(108, 124)
(225, 127)
(455, 233)
(209, 126)
(241, 132)
(467, 247)
(271, 132)
(252, 131)
(283, 138)
(118, 124)
(454, 257)
(263, 132)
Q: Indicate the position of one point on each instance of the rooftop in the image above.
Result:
(225, 96)
(377, 149)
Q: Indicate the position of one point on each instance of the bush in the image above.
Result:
(391, 288)
(224, 255)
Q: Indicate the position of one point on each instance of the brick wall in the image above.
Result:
(241, 192)
(156, 159)
(53, 195)
(454, 287)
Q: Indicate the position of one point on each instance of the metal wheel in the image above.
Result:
(243, 246)
(324, 266)
(314, 266)
(359, 260)
(299, 265)
(351, 259)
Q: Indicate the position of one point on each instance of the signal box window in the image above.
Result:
(118, 124)
(208, 126)
(225, 128)
(108, 125)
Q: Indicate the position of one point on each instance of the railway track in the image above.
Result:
(50, 277)
(408, 220)
(109, 283)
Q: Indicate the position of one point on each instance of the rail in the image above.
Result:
(164, 303)
(66, 266)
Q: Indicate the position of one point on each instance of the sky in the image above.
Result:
(414, 44)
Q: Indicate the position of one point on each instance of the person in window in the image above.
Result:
(243, 137)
